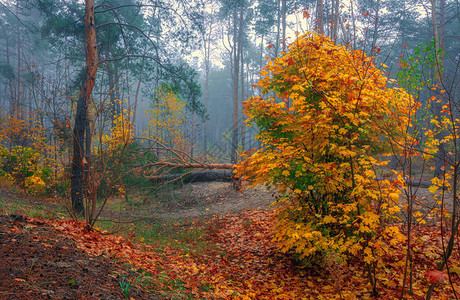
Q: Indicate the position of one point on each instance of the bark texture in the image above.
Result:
(81, 141)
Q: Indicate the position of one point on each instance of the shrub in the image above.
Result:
(327, 117)
(21, 165)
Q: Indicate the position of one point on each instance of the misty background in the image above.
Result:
(206, 52)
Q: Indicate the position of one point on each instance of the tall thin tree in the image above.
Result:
(81, 132)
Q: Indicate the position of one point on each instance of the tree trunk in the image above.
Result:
(192, 142)
(237, 54)
(354, 25)
(329, 8)
(376, 26)
(136, 97)
(19, 100)
(79, 164)
(261, 58)
(440, 157)
(205, 132)
(10, 81)
(243, 138)
(434, 21)
(283, 21)
(112, 87)
(207, 68)
(278, 30)
(320, 16)
(335, 17)
(437, 107)
(138, 88)
(187, 165)
(442, 22)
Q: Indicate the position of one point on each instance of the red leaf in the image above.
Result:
(435, 276)
(290, 61)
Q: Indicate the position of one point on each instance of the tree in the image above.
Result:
(236, 8)
(319, 16)
(208, 36)
(180, 76)
(321, 151)
(81, 131)
(238, 21)
(166, 115)
(438, 36)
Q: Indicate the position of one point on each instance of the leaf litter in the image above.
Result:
(241, 262)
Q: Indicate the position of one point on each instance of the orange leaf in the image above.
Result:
(435, 276)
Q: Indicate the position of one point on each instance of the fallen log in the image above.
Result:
(422, 184)
(199, 176)
(192, 165)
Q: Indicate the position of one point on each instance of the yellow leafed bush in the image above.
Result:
(166, 117)
(24, 155)
(121, 133)
(326, 118)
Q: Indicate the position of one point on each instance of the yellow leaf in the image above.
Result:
(394, 197)
(433, 189)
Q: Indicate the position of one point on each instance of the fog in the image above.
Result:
(199, 49)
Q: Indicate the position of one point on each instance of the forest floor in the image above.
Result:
(202, 240)
(38, 261)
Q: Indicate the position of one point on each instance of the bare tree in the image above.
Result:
(238, 21)
(207, 38)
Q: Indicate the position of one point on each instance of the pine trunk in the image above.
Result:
(80, 165)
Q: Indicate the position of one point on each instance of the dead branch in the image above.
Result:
(200, 176)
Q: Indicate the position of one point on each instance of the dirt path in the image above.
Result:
(194, 200)
(214, 198)
(210, 198)
(206, 199)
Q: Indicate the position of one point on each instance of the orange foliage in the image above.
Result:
(331, 121)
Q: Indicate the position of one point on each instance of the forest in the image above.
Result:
(229, 149)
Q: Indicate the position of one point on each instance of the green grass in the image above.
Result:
(27, 208)
(187, 236)
(163, 285)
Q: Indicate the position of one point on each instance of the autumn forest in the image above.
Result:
(229, 149)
